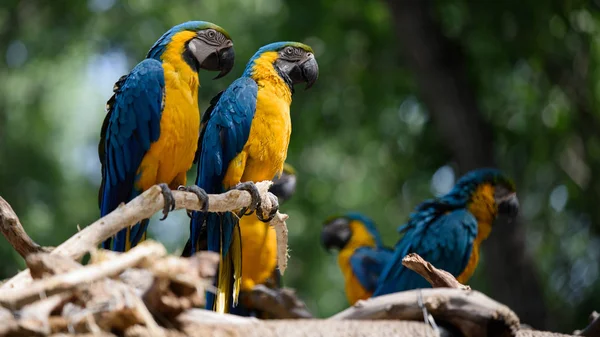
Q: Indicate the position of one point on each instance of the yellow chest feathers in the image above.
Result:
(483, 207)
(172, 154)
(271, 128)
(360, 238)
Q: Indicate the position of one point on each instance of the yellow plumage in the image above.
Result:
(171, 156)
(261, 159)
(360, 238)
(484, 209)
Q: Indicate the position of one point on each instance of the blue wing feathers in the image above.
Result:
(444, 239)
(223, 137)
(133, 123)
(368, 263)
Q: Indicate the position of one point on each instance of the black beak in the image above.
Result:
(310, 71)
(284, 187)
(509, 206)
(336, 234)
(307, 71)
(221, 59)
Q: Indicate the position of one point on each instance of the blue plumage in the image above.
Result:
(131, 125)
(368, 264)
(226, 128)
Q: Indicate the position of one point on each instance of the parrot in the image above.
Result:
(362, 255)
(244, 139)
(150, 133)
(448, 231)
(259, 249)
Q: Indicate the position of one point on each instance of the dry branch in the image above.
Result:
(15, 234)
(436, 277)
(141, 207)
(145, 252)
(279, 303)
(593, 329)
(473, 313)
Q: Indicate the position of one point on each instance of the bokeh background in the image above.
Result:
(411, 95)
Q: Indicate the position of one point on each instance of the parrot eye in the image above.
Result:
(211, 34)
(289, 50)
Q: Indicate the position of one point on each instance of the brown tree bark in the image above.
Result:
(438, 66)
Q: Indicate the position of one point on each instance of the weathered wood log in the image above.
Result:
(281, 303)
(471, 312)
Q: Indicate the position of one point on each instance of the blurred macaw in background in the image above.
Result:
(448, 231)
(150, 132)
(362, 255)
(244, 139)
(259, 248)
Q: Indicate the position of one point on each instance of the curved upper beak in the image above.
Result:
(509, 206)
(310, 71)
(335, 234)
(221, 58)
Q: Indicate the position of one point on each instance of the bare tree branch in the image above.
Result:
(15, 234)
(473, 313)
(144, 253)
(593, 329)
(438, 278)
(280, 303)
(143, 207)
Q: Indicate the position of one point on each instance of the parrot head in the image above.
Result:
(204, 45)
(495, 183)
(284, 186)
(339, 230)
(294, 62)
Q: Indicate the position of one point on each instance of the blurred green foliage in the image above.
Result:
(361, 138)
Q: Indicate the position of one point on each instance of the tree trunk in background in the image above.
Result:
(438, 66)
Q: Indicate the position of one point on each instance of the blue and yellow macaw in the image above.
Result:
(150, 133)
(244, 139)
(448, 231)
(362, 255)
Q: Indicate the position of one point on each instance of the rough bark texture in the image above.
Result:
(470, 312)
(15, 234)
(142, 207)
(439, 70)
(436, 277)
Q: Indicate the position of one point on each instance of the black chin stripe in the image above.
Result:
(285, 78)
(189, 58)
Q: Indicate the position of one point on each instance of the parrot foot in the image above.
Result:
(169, 200)
(274, 209)
(200, 193)
(249, 187)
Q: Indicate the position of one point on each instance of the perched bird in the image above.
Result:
(150, 133)
(244, 139)
(448, 231)
(362, 255)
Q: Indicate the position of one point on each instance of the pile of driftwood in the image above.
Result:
(146, 292)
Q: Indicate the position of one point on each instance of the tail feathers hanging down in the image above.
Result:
(224, 236)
